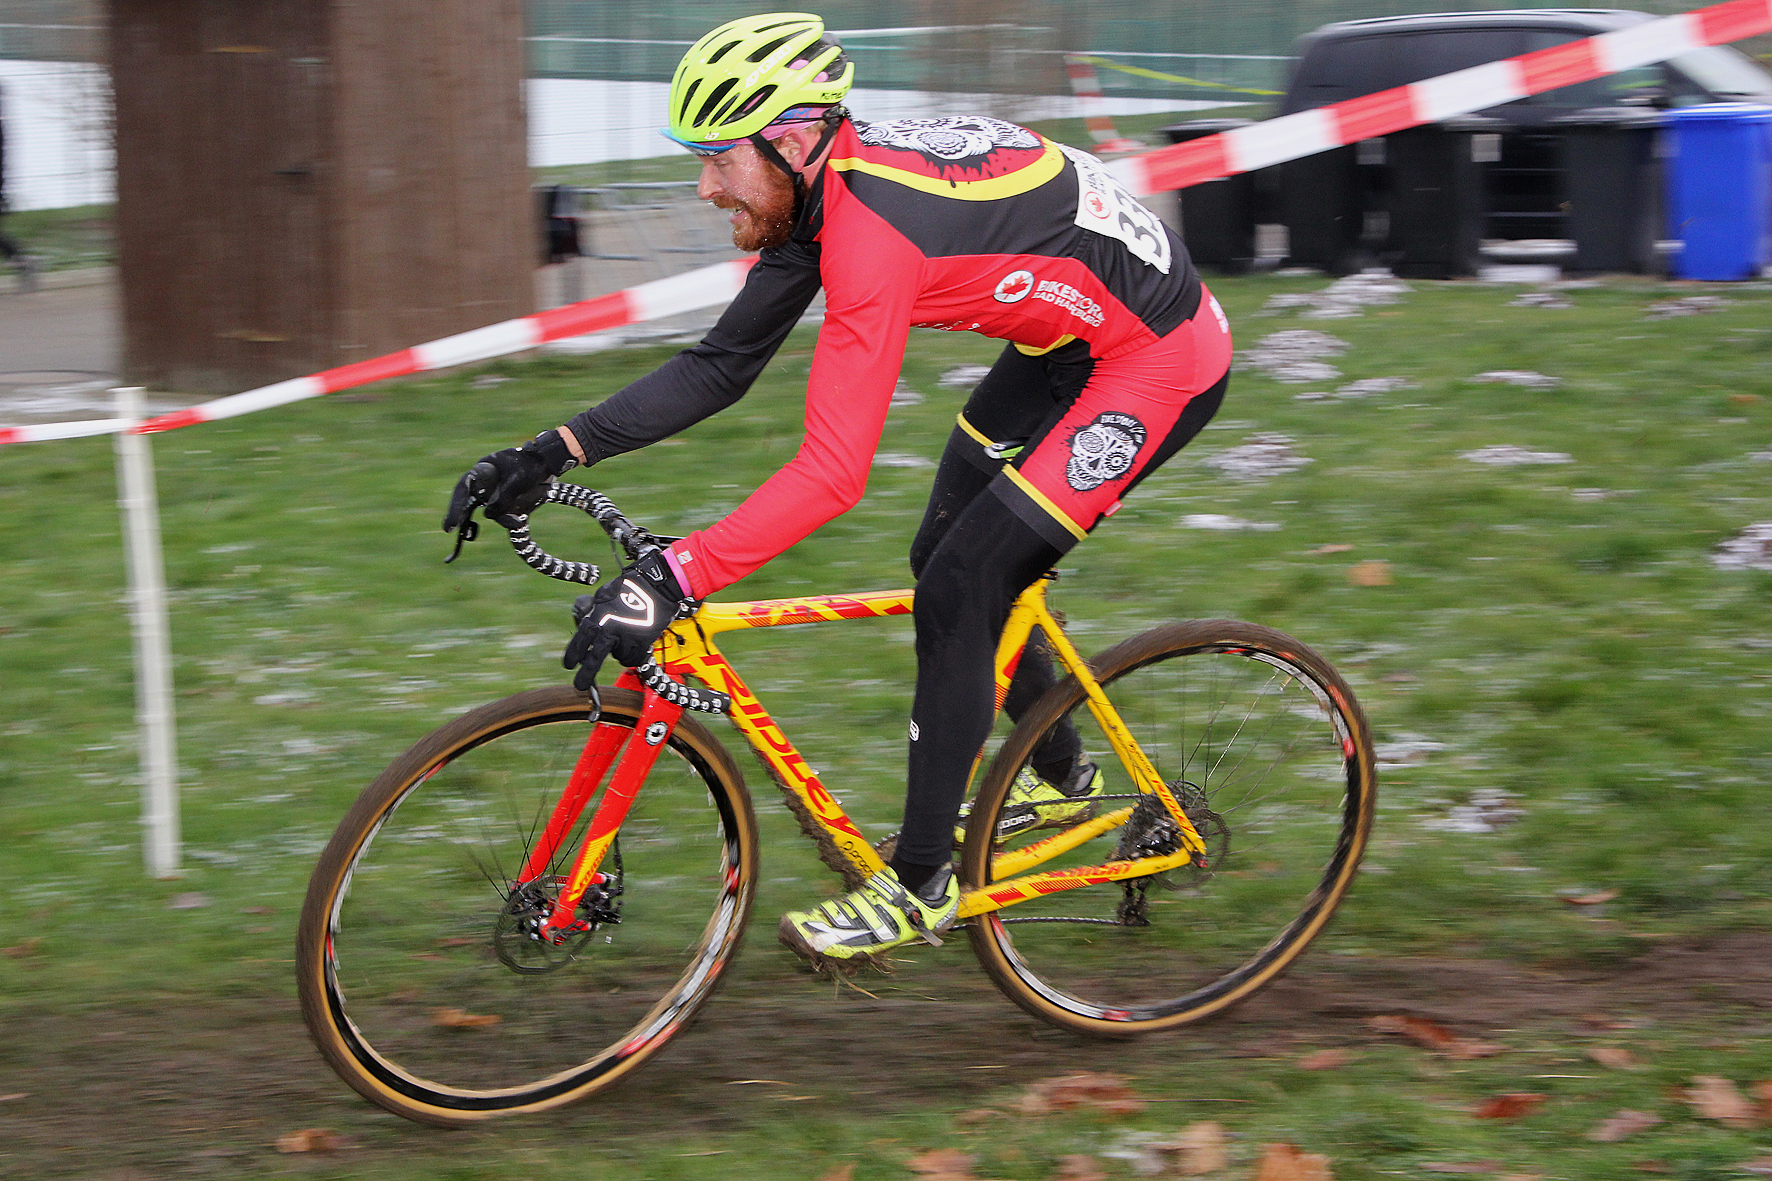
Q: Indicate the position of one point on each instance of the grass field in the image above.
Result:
(1571, 699)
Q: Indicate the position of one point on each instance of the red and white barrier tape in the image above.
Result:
(648, 301)
(1087, 87)
(1178, 166)
(1478, 88)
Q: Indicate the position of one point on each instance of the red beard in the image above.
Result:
(767, 222)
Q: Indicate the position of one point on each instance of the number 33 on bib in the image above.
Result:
(1106, 206)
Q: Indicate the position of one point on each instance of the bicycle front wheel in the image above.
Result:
(1269, 754)
(418, 979)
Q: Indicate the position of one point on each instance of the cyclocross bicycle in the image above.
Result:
(538, 896)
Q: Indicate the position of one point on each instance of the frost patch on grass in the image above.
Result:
(1489, 809)
(1364, 388)
(1541, 299)
(1751, 549)
(285, 697)
(1407, 750)
(904, 395)
(1691, 305)
(1519, 377)
(1296, 356)
(1343, 299)
(1507, 455)
(900, 459)
(962, 377)
(1227, 524)
(1258, 458)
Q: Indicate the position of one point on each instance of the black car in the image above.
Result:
(1352, 58)
(1522, 179)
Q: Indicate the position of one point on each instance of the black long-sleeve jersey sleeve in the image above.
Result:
(715, 373)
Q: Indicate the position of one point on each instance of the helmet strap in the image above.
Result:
(833, 119)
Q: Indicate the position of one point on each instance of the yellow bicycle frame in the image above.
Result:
(688, 648)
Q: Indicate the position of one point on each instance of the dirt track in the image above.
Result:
(202, 1090)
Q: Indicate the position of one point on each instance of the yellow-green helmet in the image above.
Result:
(747, 73)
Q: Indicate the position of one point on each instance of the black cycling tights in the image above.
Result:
(985, 557)
(973, 555)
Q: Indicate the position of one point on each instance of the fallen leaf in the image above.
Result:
(1763, 1092)
(310, 1140)
(1616, 1057)
(1331, 1059)
(1623, 1122)
(1650, 1166)
(1198, 1149)
(1374, 573)
(14, 1095)
(462, 1019)
(1760, 1167)
(942, 1164)
(1601, 1021)
(1284, 1162)
(977, 1115)
(1508, 1105)
(840, 1173)
(1714, 1097)
(1435, 1037)
(1597, 898)
(1079, 1167)
(1102, 1092)
(29, 947)
(1333, 548)
(255, 910)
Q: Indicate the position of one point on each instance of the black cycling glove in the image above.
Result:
(521, 483)
(623, 618)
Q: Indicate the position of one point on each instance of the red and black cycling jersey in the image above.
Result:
(966, 224)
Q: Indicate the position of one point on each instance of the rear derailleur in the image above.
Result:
(1151, 832)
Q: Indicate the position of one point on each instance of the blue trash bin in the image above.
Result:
(1719, 189)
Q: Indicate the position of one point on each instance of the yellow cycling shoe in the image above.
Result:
(879, 916)
(1034, 803)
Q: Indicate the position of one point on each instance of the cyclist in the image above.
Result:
(1116, 356)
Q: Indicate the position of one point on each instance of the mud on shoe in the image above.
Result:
(1034, 803)
(881, 915)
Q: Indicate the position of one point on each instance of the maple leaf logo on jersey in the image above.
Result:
(1014, 287)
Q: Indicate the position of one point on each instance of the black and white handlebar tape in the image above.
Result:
(707, 701)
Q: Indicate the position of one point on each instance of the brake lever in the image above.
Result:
(470, 529)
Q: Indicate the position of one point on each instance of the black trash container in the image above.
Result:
(1435, 197)
(1322, 202)
(1217, 216)
(1610, 186)
(558, 205)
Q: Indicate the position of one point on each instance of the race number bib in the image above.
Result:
(1106, 206)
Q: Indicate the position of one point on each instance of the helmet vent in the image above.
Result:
(688, 96)
(763, 51)
(714, 99)
(723, 51)
(756, 100)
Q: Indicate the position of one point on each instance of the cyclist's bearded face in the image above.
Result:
(758, 194)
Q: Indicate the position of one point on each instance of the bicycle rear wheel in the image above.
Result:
(1269, 753)
(417, 980)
